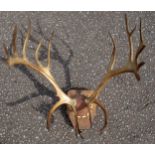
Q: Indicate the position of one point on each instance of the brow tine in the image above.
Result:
(105, 114)
(51, 111)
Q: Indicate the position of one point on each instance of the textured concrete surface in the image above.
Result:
(80, 55)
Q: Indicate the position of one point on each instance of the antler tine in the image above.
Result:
(105, 114)
(49, 55)
(49, 51)
(51, 111)
(141, 44)
(37, 54)
(14, 39)
(113, 55)
(25, 46)
(129, 34)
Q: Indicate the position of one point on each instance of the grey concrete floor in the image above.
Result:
(80, 55)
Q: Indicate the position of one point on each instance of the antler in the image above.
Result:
(132, 65)
(14, 59)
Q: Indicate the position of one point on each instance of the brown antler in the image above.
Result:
(132, 65)
(14, 59)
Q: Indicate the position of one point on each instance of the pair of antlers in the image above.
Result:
(131, 66)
